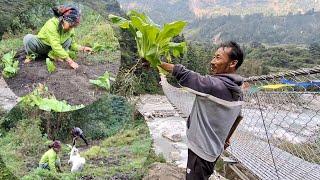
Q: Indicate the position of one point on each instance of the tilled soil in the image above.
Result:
(65, 83)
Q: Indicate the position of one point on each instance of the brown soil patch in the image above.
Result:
(165, 171)
(65, 83)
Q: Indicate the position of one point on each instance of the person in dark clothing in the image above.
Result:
(76, 132)
(216, 110)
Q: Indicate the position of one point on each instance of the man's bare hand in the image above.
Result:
(167, 66)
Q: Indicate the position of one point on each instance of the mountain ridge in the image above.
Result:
(267, 21)
(209, 8)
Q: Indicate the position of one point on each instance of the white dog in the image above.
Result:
(77, 161)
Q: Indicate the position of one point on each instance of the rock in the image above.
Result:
(181, 146)
(175, 137)
(176, 115)
(148, 115)
(7, 98)
(216, 176)
(165, 171)
(175, 155)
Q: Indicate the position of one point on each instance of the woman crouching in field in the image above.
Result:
(50, 160)
(56, 37)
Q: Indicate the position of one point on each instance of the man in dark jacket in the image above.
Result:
(216, 111)
(76, 132)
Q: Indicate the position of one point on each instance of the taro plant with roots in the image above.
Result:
(153, 42)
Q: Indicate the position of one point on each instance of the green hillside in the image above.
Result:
(116, 133)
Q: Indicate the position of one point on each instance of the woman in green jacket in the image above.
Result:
(50, 159)
(56, 37)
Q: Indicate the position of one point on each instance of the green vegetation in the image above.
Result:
(23, 126)
(102, 81)
(260, 59)
(110, 116)
(280, 22)
(93, 30)
(152, 41)
(9, 44)
(5, 172)
(50, 65)
(98, 47)
(263, 60)
(161, 11)
(18, 148)
(291, 29)
(17, 16)
(198, 56)
(101, 119)
(96, 33)
(44, 101)
(109, 159)
(127, 154)
(170, 10)
(306, 151)
(9, 65)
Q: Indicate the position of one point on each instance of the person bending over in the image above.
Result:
(76, 132)
(56, 37)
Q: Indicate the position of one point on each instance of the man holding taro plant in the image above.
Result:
(216, 111)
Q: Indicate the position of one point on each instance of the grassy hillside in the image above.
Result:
(292, 29)
(16, 15)
(116, 135)
(260, 59)
(161, 11)
(273, 22)
(126, 154)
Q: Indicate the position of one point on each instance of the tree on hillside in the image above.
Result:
(314, 49)
(253, 68)
(16, 15)
(301, 29)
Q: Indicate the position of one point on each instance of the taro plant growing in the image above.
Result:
(98, 47)
(103, 81)
(9, 65)
(51, 67)
(42, 99)
(153, 42)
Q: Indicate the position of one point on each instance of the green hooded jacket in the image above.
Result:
(50, 157)
(50, 35)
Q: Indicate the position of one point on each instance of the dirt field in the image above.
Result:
(65, 83)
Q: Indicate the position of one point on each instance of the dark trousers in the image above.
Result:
(82, 137)
(198, 168)
(33, 44)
